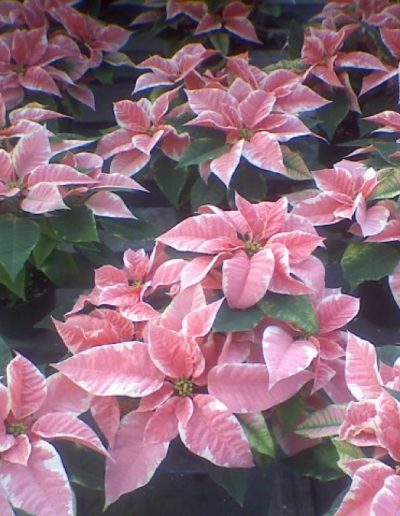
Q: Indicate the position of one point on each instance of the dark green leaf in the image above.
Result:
(363, 262)
(84, 466)
(295, 165)
(347, 451)
(43, 249)
(258, 433)
(5, 356)
(17, 239)
(202, 149)
(131, 230)
(75, 225)
(250, 184)
(389, 183)
(336, 503)
(211, 192)
(286, 64)
(392, 392)
(229, 319)
(388, 354)
(59, 267)
(296, 310)
(171, 181)
(295, 40)
(17, 286)
(221, 42)
(319, 462)
(234, 481)
(333, 114)
(104, 74)
(291, 410)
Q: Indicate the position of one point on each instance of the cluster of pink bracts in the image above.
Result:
(146, 356)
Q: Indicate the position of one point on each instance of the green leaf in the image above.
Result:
(18, 237)
(75, 225)
(211, 192)
(104, 74)
(392, 392)
(347, 451)
(118, 59)
(296, 310)
(250, 184)
(333, 114)
(85, 467)
(337, 503)
(5, 356)
(258, 434)
(363, 262)
(291, 410)
(322, 423)
(286, 64)
(295, 39)
(295, 165)
(318, 462)
(389, 183)
(17, 286)
(234, 481)
(43, 249)
(171, 181)
(229, 319)
(202, 149)
(59, 267)
(221, 42)
(388, 354)
(131, 230)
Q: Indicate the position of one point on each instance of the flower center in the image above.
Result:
(246, 133)
(252, 247)
(17, 428)
(12, 184)
(183, 387)
(136, 284)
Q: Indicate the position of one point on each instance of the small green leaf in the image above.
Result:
(229, 319)
(318, 462)
(5, 356)
(202, 149)
(333, 114)
(296, 310)
(250, 184)
(258, 433)
(295, 165)
(211, 192)
(171, 181)
(286, 64)
(389, 183)
(363, 262)
(18, 237)
(347, 451)
(118, 59)
(234, 481)
(104, 74)
(75, 225)
(221, 42)
(388, 354)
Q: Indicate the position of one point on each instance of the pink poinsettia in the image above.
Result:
(343, 193)
(322, 53)
(252, 128)
(375, 489)
(170, 72)
(141, 128)
(165, 373)
(260, 247)
(96, 38)
(26, 58)
(33, 410)
(193, 9)
(233, 18)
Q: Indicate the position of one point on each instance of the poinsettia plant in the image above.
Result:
(229, 332)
